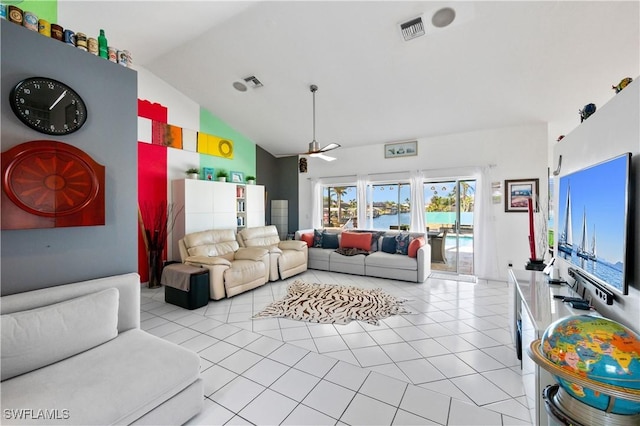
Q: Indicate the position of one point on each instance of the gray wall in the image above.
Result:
(280, 178)
(38, 258)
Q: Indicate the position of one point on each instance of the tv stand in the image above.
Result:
(532, 309)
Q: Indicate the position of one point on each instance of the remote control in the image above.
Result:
(580, 305)
(569, 299)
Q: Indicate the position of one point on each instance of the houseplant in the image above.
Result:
(192, 173)
(251, 180)
(222, 175)
(157, 220)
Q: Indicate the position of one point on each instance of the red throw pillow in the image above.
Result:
(359, 240)
(414, 245)
(307, 238)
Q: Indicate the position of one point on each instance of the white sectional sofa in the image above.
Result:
(75, 354)
(377, 263)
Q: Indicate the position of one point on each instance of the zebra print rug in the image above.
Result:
(326, 303)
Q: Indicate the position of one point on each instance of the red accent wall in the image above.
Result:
(152, 111)
(152, 189)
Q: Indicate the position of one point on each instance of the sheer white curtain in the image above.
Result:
(316, 204)
(417, 202)
(485, 247)
(361, 200)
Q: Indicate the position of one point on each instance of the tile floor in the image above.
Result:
(449, 363)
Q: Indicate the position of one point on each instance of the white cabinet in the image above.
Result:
(534, 308)
(212, 205)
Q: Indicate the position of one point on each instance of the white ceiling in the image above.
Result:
(499, 64)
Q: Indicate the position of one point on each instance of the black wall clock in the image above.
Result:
(48, 106)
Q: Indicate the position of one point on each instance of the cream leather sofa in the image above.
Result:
(286, 258)
(74, 354)
(232, 269)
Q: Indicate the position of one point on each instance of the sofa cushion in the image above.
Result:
(330, 241)
(317, 238)
(359, 240)
(307, 238)
(414, 245)
(39, 337)
(402, 243)
(389, 245)
(390, 261)
(113, 383)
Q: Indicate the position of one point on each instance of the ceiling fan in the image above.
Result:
(314, 146)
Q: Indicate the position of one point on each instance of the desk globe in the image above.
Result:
(583, 351)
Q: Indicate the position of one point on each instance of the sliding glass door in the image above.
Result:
(449, 207)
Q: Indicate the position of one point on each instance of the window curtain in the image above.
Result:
(485, 240)
(417, 202)
(361, 200)
(316, 204)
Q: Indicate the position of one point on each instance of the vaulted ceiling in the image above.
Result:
(499, 64)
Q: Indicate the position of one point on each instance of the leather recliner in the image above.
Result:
(232, 269)
(287, 258)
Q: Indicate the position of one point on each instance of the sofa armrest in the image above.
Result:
(251, 253)
(423, 256)
(292, 245)
(207, 260)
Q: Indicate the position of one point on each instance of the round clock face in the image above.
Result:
(48, 106)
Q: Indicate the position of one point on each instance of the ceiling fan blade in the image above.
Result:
(329, 147)
(320, 155)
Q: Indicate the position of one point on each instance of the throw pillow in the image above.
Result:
(414, 245)
(39, 337)
(389, 245)
(375, 240)
(317, 238)
(330, 240)
(307, 238)
(402, 243)
(360, 240)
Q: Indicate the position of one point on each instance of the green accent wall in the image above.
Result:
(244, 149)
(44, 9)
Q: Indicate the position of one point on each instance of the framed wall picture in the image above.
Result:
(401, 149)
(207, 172)
(237, 177)
(517, 194)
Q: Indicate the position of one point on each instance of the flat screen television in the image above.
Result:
(593, 223)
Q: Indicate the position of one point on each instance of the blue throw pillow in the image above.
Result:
(330, 241)
(389, 245)
(317, 238)
(402, 243)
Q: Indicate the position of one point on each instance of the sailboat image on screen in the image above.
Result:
(583, 250)
(565, 243)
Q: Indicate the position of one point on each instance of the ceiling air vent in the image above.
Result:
(412, 29)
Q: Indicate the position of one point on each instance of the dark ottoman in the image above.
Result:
(185, 285)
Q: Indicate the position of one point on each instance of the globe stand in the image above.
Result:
(568, 410)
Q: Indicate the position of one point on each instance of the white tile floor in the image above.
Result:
(449, 363)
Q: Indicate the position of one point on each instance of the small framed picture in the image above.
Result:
(207, 172)
(237, 177)
(402, 149)
(517, 194)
